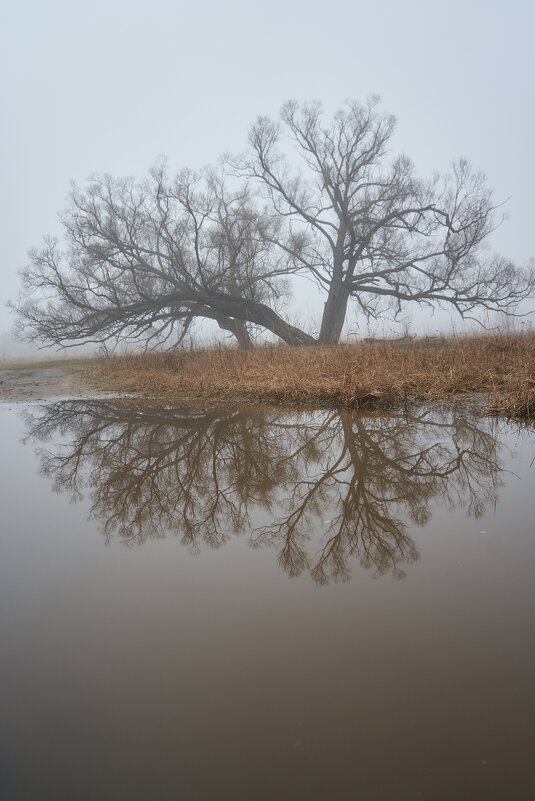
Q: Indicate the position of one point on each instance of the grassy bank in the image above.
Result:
(379, 374)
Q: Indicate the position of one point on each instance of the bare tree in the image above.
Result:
(364, 227)
(143, 260)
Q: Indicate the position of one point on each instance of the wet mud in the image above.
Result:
(35, 383)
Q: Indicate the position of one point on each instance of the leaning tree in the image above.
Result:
(361, 224)
(142, 260)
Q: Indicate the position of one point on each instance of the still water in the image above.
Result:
(224, 603)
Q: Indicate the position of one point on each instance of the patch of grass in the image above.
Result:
(372, 374)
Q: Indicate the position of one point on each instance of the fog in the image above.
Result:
(110, 86)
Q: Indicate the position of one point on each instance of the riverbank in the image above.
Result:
(377, 374)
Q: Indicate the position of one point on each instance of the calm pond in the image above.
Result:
(217, 602)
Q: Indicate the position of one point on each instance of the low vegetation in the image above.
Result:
(381, 374)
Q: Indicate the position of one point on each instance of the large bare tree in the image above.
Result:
(142, 260)
(361, 224)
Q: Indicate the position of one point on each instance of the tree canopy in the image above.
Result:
(141, 260)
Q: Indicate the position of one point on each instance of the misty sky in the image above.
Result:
(109, 86)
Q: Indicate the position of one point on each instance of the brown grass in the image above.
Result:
(380, 374)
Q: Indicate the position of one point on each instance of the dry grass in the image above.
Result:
(380, 374)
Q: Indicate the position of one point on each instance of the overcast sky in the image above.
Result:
(108, 86)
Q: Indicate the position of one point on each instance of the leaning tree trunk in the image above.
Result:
(334, 314)
(290, 334)
(233, 313)
(243, 311)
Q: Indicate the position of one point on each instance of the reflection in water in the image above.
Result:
(333, 485)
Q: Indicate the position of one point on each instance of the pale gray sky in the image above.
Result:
(109, 85)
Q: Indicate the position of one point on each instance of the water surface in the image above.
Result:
(218, 602)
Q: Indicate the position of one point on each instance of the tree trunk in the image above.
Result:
(239, 329)
(242, 335)
(260, 314)
(288, 333)
(334, 314)
(230, 311)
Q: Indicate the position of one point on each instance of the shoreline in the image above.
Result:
(21, 383)
(494, 374)
(497, 370)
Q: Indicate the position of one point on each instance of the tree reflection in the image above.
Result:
(333, 486)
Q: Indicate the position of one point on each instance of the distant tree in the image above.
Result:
(361, 224)
(142, 261)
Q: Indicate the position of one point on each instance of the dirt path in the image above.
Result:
(30, 382)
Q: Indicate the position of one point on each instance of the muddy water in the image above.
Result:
(212, 603)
